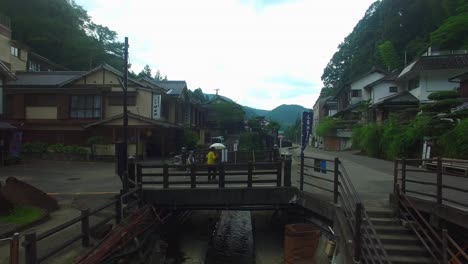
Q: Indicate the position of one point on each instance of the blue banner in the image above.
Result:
(306, 128)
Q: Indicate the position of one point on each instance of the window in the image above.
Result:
(15, 51)
(355, 93)
(393, 89)
(413, 84)
(85, 106)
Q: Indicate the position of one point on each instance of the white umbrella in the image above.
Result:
(217, 146)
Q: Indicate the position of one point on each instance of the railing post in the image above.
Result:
(336, 182)
(193, 177)
(30, 248)
(118, 209)
(221, 175)
(439, 180)
(139, 175)
(403, 175)
(395, 176)
(301, 186)
(249, 174)
(131, 172)
(278, 173)
(14, 249)
(287, 170)
(357, 233)
(85, 227)
(165, 176)
(444, 246)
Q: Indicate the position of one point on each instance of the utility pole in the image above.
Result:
(125, 113)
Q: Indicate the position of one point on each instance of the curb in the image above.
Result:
(17, 229)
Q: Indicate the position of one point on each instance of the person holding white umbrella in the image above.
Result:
(211, 161)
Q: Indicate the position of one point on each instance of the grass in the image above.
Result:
(22, 215)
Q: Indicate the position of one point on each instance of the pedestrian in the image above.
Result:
(211, 162)
(191, 158)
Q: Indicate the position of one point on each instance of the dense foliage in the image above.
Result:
(400, 137)
(63, 31)
(393, 29)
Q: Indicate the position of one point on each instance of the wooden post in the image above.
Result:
(439, 180)
(287, 170)
(30, 248)
(165, 176)
(139, 176)
(336, 181)
(14, 249)
(395, 176)
(193, 177)
(301, 186)
(85, 227)
(118, 209)
(278, 173)
(403, 175)
(222, 175)
(131, 173)
(444, 246)
(357, 233)
(249, 174)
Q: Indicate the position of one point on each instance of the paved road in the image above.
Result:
(372, 178)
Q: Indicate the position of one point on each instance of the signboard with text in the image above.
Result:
(156, 106)
(306, 128)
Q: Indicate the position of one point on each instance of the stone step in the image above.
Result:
(380, 213)
(406, 250)
(392, 229)
(387, 221)
(398, 239)
(397, 259)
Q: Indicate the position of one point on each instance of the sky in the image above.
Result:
(260, 53)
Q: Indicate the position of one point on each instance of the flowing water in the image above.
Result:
(232, 240)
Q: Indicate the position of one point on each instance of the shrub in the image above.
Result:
(56, 148)
(443, 106)
(326, 126)
(455, 142)
(35, 147)
(442, 95)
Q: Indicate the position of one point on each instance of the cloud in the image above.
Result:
(259, 53)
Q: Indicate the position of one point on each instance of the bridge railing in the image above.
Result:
(441, 246)
(227, 175)
(442, 181)
(121, 205)
(367, 245)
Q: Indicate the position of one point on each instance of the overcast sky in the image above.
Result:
(260, 53)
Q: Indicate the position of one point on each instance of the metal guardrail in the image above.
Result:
(442, 170)
(442, 247)
(367, 245)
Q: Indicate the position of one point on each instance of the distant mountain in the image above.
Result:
(251, 112)
(286, 115)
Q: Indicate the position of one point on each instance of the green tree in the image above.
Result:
(389, 55)
(146, 72)
(229, 116)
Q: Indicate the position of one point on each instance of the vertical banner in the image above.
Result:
(156, 106)
(306, 128)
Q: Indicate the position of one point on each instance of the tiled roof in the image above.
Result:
(44, 78)
(387, 78)
(172, 87)
(398, 98)
(427, 63)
